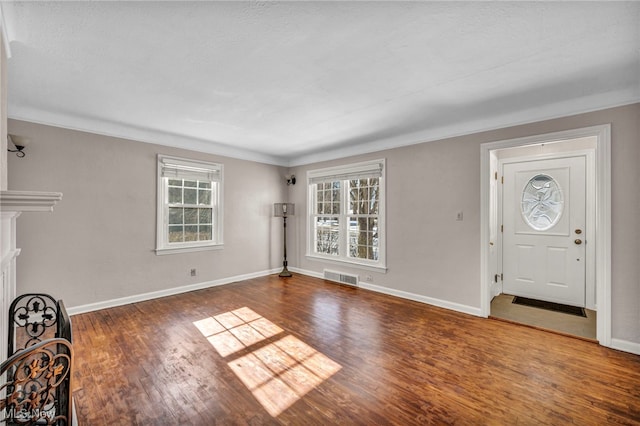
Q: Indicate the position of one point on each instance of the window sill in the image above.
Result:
(365, 266)
(190, 249)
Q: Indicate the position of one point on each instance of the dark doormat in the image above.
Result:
(550, 306)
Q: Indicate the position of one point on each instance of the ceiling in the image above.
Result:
(291, 83)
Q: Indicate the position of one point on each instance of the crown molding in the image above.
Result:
(137, 134)
(464, 128)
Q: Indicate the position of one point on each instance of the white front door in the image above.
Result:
(544, 229)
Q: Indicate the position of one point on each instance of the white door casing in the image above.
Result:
(495, 259)
(544, 230)
(600, 216)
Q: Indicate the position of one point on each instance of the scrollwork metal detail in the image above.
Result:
(33, 314)
(36, 377)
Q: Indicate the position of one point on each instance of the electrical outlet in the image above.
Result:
(459, 215)
(193, 272)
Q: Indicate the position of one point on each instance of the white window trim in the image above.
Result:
(341, 172)
(162, 245)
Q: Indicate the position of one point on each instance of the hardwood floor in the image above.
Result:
(305, 351)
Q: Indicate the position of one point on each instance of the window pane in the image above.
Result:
(191, 233)
(175, 215)
(190, 216)
(191, 183)
(176, 234)
(373, 204)
(363, 237)
(373, 224)
(204, 184)
(364, 197)
(175, 195)
(204, 196)
(175, 182)
(353, 200)
(327, 235)
(205, 215)
(205, 233)
(190, 195)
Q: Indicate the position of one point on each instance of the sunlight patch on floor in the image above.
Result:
(278, 373)
(282, 372)
(233, 331)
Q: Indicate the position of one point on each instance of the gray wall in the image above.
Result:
(431, 254)
(99, 242)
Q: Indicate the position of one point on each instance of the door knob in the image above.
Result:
(578, 231)
(578, 241)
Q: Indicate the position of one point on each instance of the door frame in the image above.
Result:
(602, 229)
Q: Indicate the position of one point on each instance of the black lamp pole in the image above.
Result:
(283, 210)
(285, 272)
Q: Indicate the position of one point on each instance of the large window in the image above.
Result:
(346, 213)
(189, 205)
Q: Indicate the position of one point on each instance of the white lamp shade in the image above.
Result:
(19, 140)
(283, 209)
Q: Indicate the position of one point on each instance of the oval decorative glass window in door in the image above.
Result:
(542, 202)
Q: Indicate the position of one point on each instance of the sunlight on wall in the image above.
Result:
(277, 372)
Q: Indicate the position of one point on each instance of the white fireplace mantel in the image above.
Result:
(28, 201)
(12, 204)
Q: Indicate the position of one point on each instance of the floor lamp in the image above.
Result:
(284, 210)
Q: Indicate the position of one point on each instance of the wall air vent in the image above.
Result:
(339, 277)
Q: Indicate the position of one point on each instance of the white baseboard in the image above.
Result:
(626, 346)
(162, 293)
(424, 299)
(405, 295)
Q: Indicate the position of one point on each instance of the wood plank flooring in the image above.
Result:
(305, 351)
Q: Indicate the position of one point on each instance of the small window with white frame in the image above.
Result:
(346, 214)
(189, 216)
